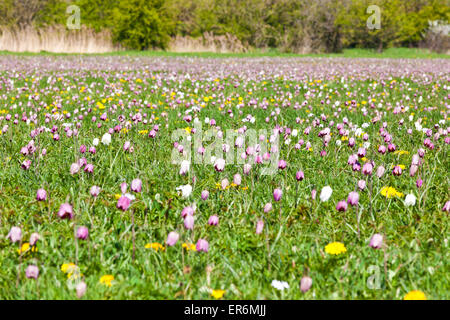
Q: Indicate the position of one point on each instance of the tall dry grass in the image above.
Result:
(55, 39)
(208, 42)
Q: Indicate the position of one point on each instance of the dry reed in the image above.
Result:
(55, 39)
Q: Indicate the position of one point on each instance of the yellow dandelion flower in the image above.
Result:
(390, 192)
(415, 295)
(25, 247)
(155, 246)
(189, 246)
(68, 267)
(335, 248)
(401, 152)
(107, 280)
(217, 293)
(117, 196)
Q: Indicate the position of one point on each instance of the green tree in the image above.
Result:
(142, 24)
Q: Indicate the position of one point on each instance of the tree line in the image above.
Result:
(287, 25)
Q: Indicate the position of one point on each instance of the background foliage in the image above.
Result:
(289, 25)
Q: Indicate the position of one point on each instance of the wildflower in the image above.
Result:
(74, 168)
(237, 179)
(186, 190)
(65, 211)
(106, 139)
(325, 194)
(205, 194)
(305, 284)
(446, 206)
(421, 152)
(277, 193)
(335, 248)
(415, 159)
(380, 171)
(412, 170)
(15, 234)
(136, 185)
(123, 187)
(34, 238)
(89, 168)
(382, 149)
(155, 246)
(187, 211)
(202, 245)
(81, 289)
(351, 142)
(213, 220)
(397, 171)
(376, 241)
(184, 168)
(353, 198)
(341, 206)
(41, 195)
(367, 168)
(259, 226)
(224, 184)
(82, 233)
(126, 145)
(95, 190)
(172, 238)
(280, 285)
(68, 267)
(189, 222)
(25, 247)
(282, 164)
(299, 175)
(419, 183)
(361, 184)
(123, 203)
(410, 200)
(217, 293)
(32, 271)
(107, 280)
(219, 165)
(188, 247)
(361, 152)
(390, 192)
(267, 207)
(415, 295)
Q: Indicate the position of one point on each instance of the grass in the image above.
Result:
(393, 53)
(239, 261)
